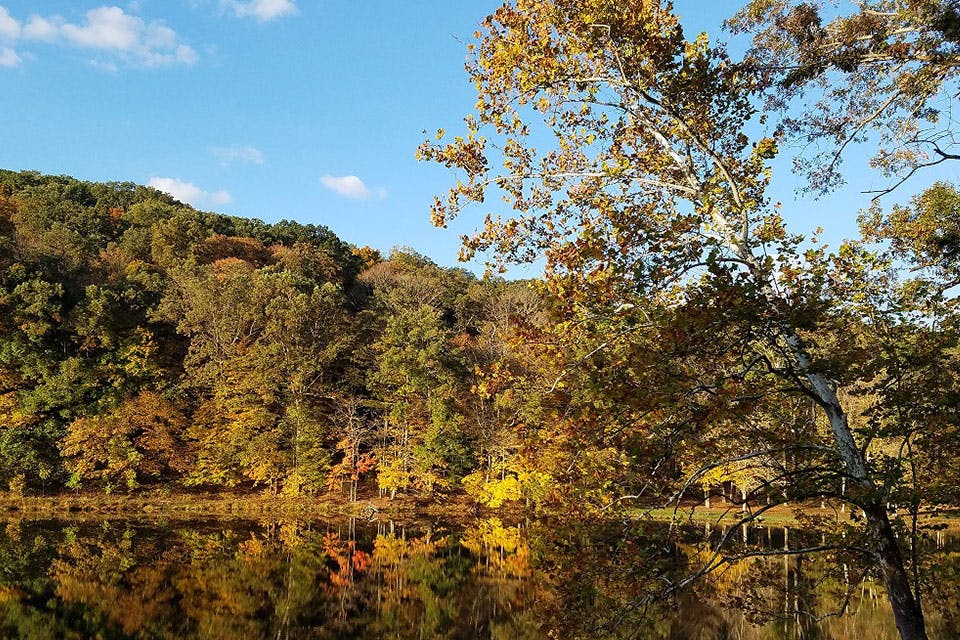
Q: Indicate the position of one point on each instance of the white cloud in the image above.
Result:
(351, 187)
(262, 10)
(110, 30)
(237, 153)
(105, 28)
(189, 192)
(186, 55)
(9, 28)
(9, 58)
(104, 65)
(40, 28)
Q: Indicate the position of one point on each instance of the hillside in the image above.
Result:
(143, 342)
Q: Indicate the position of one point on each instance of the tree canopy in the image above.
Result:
(145, 343)
(687, 314)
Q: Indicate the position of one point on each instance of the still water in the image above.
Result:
(249, 580)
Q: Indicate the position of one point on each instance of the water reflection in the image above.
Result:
(760, 594)
(381, 580)
(244, 580)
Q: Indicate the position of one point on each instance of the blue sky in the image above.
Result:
(268, 108)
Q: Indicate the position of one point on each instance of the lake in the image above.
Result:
(485, 579)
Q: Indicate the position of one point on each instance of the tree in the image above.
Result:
(880, 69)
(265, 348)
(416, 381)
(651, 213)
(926, 234)
(419, 377)
(139, 440)
(354, 429)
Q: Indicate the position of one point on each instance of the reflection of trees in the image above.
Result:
(286, 580)
(29, 608)
(943, 574)
(488, 580)
(436, 586)
(104, 568)
(603, 575)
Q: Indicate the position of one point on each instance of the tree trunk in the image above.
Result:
(906, 609)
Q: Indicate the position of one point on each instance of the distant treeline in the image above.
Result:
(143, 342)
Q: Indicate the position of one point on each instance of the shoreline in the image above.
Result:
(201, 506)
(783, 515)
(188, 506)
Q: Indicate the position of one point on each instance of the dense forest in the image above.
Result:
(145, 343)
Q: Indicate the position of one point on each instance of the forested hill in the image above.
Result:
(145, 342)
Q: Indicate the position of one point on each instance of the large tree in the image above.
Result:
(627, 152)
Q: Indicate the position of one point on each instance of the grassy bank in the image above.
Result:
(779, 516)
